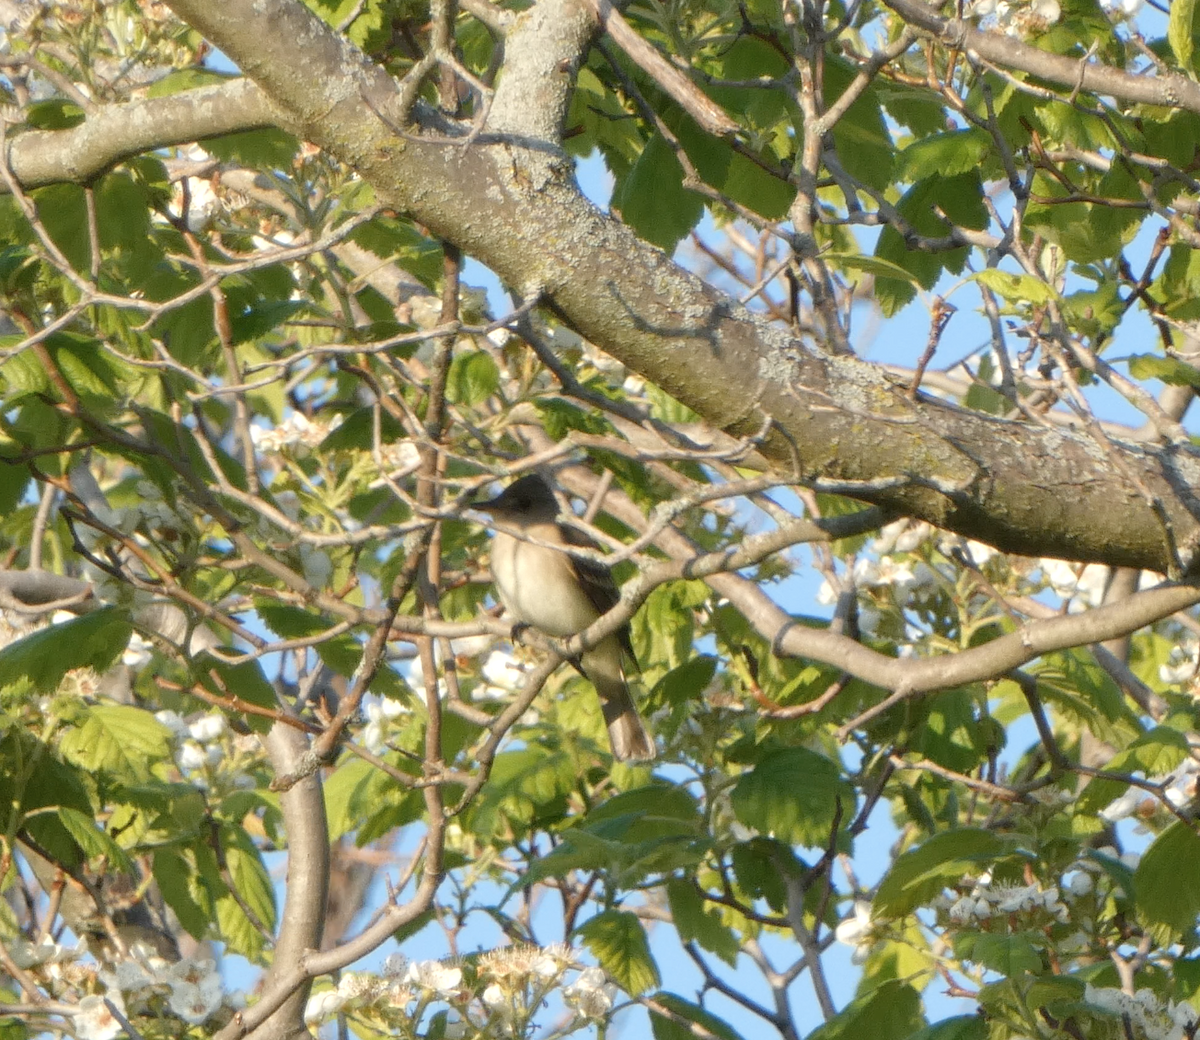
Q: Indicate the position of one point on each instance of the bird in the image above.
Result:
(560, 594)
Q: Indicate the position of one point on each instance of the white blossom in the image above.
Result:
(1147, 1014)
(193, 1002)
(826, 595)
(26, 954)
(442, 979)
(1080, 883)
(856, 931)
(93, 1019)
(191, 756)
(137, 653)
(379, 713)
(590, 995)
(208, 728)
(323, 1005)
(1079, 586)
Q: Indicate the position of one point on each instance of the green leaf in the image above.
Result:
(253, 884)
(685, 683)
(1166, 881)
(245, 681)
(947, 154)
(95, 843)
(51, 783)
(1165, 369)
(618, 941)
(663, 1028)
(53, 114)
(1007, 954)
(760, 866)
(1155, 753)
(696, 923)
(267, 149)
(95, 641)
(118, 738)
(179, 80)
(1016, 288)
(1180, 27)
(473, 377)
(793, 794)
(921, 873)
(868, 264)
(960, 1027)
(650, 830)
(652, 199)
(889, 1012)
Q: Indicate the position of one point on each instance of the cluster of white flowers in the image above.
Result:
(94, 1018)
(192, 988)
(1149, 1016)
(1123, 9)
(297, 430)
(1183, 664)
(1017, 19)
(1079, 585)
(509, 985)
(1179, 789)
(503, 675)
(28, 954)
(591, 994)
(203, 744)
(380, 713)
(519, 978)
(143, 983)
(988, 899)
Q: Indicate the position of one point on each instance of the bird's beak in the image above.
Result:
(486, 505)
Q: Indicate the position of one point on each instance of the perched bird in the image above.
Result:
(560, 595)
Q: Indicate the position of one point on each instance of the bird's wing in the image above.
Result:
(596, 580)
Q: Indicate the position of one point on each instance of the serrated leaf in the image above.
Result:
(473, 378)
(793, 794)
(1180, 26)
(95, 641)
(947, 154)
(1165, 369)
(868, 264)
(1016, 288)
(921, 873)
(618, 941)
(94, 842)
(118, 738)
(664, 1028)
(1166, 882)
(888, 1012)
(696, 923)
(253, 884)
(652, 199)
(1007, 954)
(760, 866)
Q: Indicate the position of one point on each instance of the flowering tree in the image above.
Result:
(273, 757)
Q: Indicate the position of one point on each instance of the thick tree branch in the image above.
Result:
(1078, 73)
(116, 132)
(303, 920)
(841, 424)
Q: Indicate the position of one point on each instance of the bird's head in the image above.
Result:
(528, 499)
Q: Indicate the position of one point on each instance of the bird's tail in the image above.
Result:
(626, 732)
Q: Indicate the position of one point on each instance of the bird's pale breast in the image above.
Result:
(548, 595)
